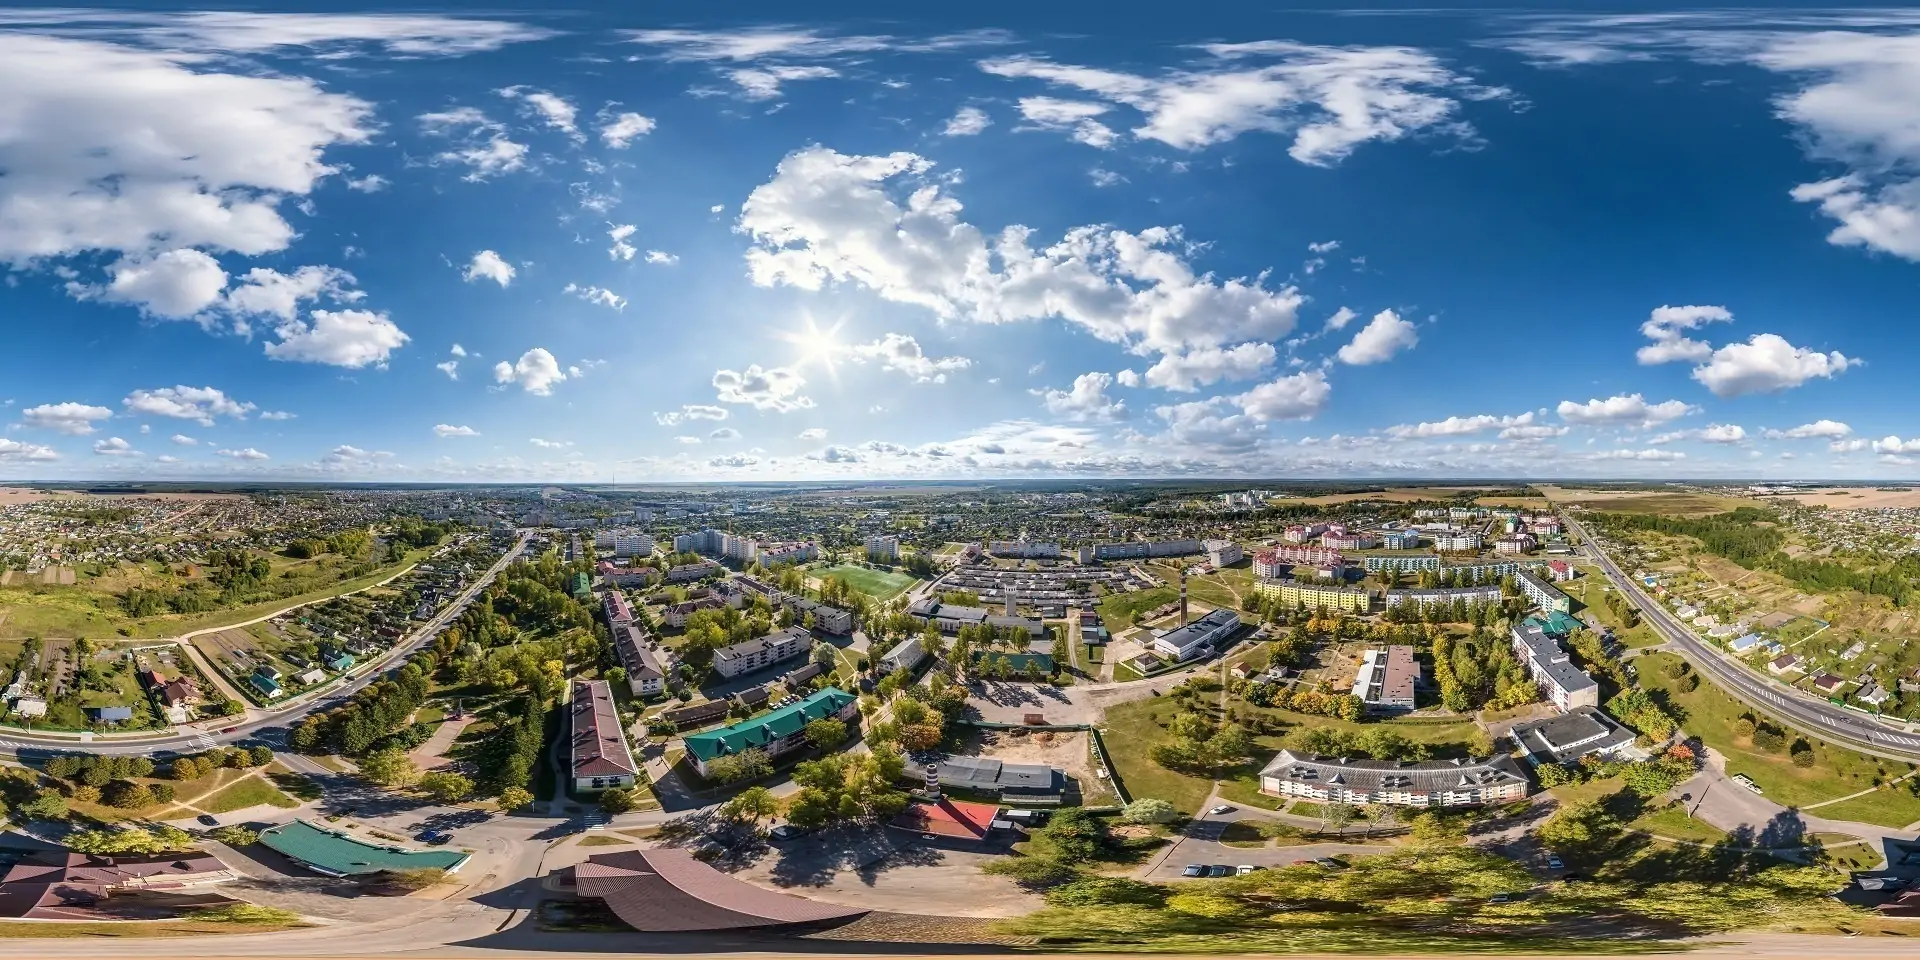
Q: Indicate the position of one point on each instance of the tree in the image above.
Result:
(445, 786)
(847, 786)
(513, 798)
(749, 764)
(260, 755)
(390, 768)
(752, 805)
(185, 769)
(824, 654)
(128, 795)
(48, 804)
(1074, 835)
(1149, 810)
(618, 800)
(826, 732)
(236, 836)
(1337, 815)
(1577, 825)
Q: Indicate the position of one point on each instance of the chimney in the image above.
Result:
(1183, 598)
(933, 780)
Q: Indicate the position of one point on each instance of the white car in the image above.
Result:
(1220, 810)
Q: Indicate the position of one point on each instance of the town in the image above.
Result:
(1001, 711)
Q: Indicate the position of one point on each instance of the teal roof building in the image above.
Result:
(776, 732)
(336, 853)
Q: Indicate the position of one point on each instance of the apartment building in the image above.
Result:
(762, 652)
(1400, 540)
(1139, 550)
(1387, 678)
(905, 655)
(826, 617)
(1561, 683)
(627, 576)
(1223, 553)
(646, 663)
(1462, 541)
(1303, 532)
(1542, 594)
(1423, 599)
(780, 732)
(1514, 544)
(1433, 783)
(1351, 540)
(1406, 563)
(1304, 556)
(598, 748)
(1298, 594)
(1024, 549)
(883, 549)
(689, 572)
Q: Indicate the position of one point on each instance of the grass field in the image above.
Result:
(251, 792)
(1673, 823)
(1673, 503)
(1710, 715)
(1118, 611)
(1589, 590)
(879, 584)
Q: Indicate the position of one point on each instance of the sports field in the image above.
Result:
(879, 584)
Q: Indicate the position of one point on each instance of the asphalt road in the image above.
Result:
(267, 726)
(1814, 717)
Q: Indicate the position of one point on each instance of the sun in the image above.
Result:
(816, 345)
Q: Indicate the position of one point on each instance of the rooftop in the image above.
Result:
(342, 854)
(949, 818)
(599, 746)
(667, 890)
(762, 730)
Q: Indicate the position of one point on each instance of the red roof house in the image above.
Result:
(952, 819)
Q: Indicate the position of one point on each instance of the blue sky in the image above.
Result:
(999, 241)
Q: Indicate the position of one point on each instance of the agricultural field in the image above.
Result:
(878, 584)
(1857, 498)
(1711, 715)
(1668, 502)
(1388, 495)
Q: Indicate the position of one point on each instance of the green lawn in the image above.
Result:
(1710, 715)
(1589, 591)
(1119, 610)
(250, 792)
(879, 584)
(1673, 823)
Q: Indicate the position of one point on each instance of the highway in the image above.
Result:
(22, 743)
(1817, 718)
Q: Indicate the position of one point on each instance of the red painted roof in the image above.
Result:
(949, 818)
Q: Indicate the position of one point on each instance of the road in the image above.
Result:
(1817, 718)
(23, 743)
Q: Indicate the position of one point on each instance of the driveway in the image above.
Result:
(1208, 852)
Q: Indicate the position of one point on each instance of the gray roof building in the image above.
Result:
(1570, 736)
(1014, 782)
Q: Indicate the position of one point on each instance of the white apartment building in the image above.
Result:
(885, 549)
(1457, 542)
(1223, 553)
(762, 652)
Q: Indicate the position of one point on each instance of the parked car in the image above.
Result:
(1221, 810)
(1194, 870)
(785, 831)
(207, 819)
(1501, 898)
(1555, 863)
(1330, 863)
(1219, 870)
(1247, 868)
(434, 837)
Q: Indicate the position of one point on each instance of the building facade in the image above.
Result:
(1542, 594)
(1198, 637)
(1561, 683)
(1295, 594)
(1426, 598)
(1223, 553)
(1409, 563)
(883, 549)
(1433, 783)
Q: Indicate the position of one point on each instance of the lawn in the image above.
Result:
(879, 584)
(1673, 823)
(250, 792)
(1589, 590)
(1119, 610)
(1710, 715)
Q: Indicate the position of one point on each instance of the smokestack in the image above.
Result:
(933, 780)
(1183, 598)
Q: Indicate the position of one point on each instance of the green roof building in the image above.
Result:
(1020, 662)
(776, 733)
(339, 854)
(581, 586)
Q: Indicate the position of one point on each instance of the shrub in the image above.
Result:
(1802, 755)
(1743, 727)
(1770, 740)
(1688, 683)
(1032, 872)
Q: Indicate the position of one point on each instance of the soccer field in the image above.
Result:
(879, 584)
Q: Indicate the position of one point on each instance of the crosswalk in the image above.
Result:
(596, 820)
(201, 742)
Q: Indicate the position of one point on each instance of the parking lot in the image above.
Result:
(880, 869)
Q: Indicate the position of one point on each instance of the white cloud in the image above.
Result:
(623, 128)
(687, 439)
(487, 265)
(1892, 444)
(114, 447)
(733, 460)
(1105, 178)
(1723, 433)
(1459, 426)
(1629, 409)
(266, 292)
(458, 350)
(1052, 113)
(175, 284)
(811, 433)
(199, 404)
(1383, 336)
(776, 389)
(166, 458)
(1667, 326)
(184, 440)
(1767, 363)
(691, 411)
(967, 122)
(278, 415)
(753, 43)
(328, 35)
(827, 217)
(621, 249)
(449, 367)
(73, 419)
(556, 111)
(1330, 99)
(1849, 446)
(343, 338)
(724, 434)
(146, 153)
(1341, 318)
(550, 444)
(1323, 246)
(599, 295)
(1536, 431)
(450, 430)
(661, 257)
(371, 183)
(1194, 369)
(13, 450)
(902, 353)
(763, 83)
(1822, 429)
(536, 372)
(1655, 456)
(480, 144)
(1087, 400)
(1239, 421)
(245, 453)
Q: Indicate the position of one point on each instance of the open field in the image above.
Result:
(1119, 611)
(13, 495)
(1390, 495)
(1858, 498)
(879, 584)
(1669, 502)
(1589, 589)
(1710, 715)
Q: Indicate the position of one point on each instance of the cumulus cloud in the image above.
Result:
(1649, 455)
(536, 372)
(734, 460)
(967, 122)
(1341, 318)
(1667, 328)
(763, 83)
(1623, 410)
(1725, 433)
(342, 338)
(599, 295)
(278, 415)
(1767, 363)
(487, 265)
(812, 433)
(828, 217)
(1819, 429)
(776, 389)
(724, 434)
(244, 453)
(1051, 113)
(1086, 400)
(902, 353)
(661, 257)
(266, 292)
(73, 419)
(691, 411)
(1193, 369)
(183, 440)
(1383, 336)
(174, 285)
(1299, 396)
(1457, 426)
(621, 129)
(621, 249)
(114, 447)
(1892, 444)
(479, 144)
(371, 183)
(552, 109)
(1329, 99)
(450, 430)
(14, 451)
(199, 404)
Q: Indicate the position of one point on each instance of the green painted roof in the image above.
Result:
(342, 853)
(1556, 623)
(762, 730)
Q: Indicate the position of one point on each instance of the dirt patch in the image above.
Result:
(228, 648)
(1069, 751)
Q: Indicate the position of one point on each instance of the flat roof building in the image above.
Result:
(337, 853)
(1562, 683)
(1542, 594)
(1029, 783)
(1200, 636)
(1572, 735)
(1387, 678)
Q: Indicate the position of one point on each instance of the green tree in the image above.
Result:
(47, 804)
(260, 755)
(748, 764)
(445, 786)
(825, 733)
(390, 768)
(514, 798)
(752, 805)
(619, 800)
(234, 835)
(185, 769)
(1577, 826)
(1149, 810)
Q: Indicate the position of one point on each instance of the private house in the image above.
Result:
(1784, 664)
(1198, 638)
(1560, 682)
(114, 714)
(1432, 783)
(600, 758)
(1828, 684)
(953, 821)
(1386, 679)
(339, 661)
(776, 733)
(1572, 735)
(762, 652)
(30, 707)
